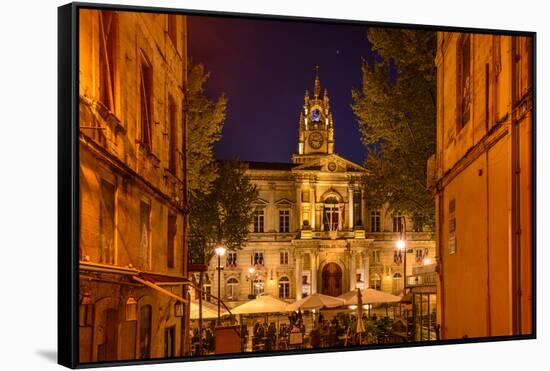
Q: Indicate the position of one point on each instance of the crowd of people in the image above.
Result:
(338, 331)
(208, 342)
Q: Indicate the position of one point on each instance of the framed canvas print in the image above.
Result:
(236, 185)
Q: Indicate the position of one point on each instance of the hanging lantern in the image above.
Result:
(178, 309)
(86, 310)
(131, 309)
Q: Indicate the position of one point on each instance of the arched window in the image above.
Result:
(397, 283)
(232, 288)
(330, 214)
(284, 287)
(258, 286)
(375, 281)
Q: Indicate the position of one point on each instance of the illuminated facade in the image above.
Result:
(481, 176)
(311, 232)
(132, 176)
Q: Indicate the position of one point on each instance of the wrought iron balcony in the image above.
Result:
(425, 275)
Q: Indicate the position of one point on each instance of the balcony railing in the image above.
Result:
(423, 276)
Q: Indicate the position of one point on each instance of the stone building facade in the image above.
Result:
(481, 176)
(308, 233)
(132, 185)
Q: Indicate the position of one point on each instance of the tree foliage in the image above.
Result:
(222, 215)
(396, 113)
(205, 119)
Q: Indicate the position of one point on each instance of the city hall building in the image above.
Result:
(311, 231)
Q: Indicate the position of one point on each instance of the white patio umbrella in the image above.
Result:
(209, 310)
(316, 301)
(261, 304)
(369, 296)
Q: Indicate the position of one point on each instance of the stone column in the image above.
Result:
(364, 215)
(312, 195)
(366, 262)
(298, 275)
(350, 206)
(340, 216)
(352, 271)
(313, 263)
(298, 217)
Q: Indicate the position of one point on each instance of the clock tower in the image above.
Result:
(316, 131)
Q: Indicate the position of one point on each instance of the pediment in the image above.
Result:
(330, 164)
(284, 202)
(260, 202)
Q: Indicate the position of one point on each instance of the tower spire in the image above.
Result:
(317, 85)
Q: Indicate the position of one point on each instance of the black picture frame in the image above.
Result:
(68, 182)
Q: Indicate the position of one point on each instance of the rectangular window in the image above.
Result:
(232, 288)
(283, 257)
(232, 259)
(145, 232)
(173, 132)
(376, 256)
(284, 221)
(171, 242)
(259, 221)
(419, 256)
(173, 29)
(207, 292)
(284, 288)
(108, 26)
(375, 221)
(375, 282)
(398, 223)
(107, 223)
(258, 258)
(464, 80)
(146, 102)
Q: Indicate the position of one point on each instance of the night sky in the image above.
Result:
(264, 68)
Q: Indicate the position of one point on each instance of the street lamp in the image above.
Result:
(402, 246)
(220, 251)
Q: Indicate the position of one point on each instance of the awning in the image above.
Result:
(164, 279)
(159, 289)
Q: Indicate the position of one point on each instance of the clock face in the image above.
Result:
(316, 115)
(315, 140)
(332, 166)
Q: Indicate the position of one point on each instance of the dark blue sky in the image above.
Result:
(264, 68)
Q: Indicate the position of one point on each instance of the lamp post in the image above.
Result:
(220, 251)
(402, 246)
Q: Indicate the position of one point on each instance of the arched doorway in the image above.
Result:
(332, 279)
(108, 336)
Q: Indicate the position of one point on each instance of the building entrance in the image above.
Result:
(332, 279)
